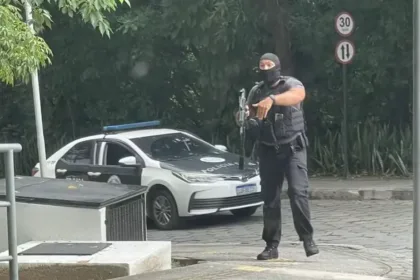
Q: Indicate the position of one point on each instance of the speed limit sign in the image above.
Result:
(344, 24)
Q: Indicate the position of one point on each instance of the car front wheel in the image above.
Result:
(245, 212)
(164, 211)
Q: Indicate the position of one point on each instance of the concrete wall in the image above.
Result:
(46, 222)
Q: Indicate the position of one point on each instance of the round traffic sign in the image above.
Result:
(344, 51)
(344, 24)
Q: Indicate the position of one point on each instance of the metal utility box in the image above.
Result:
(56, 209)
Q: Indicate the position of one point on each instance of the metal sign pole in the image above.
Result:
(416, 139)
(11, 215)
(344, 54)
(345, 125)
(37, 101)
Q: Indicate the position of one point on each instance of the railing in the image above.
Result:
(10, 203)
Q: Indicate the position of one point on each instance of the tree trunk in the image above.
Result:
(277, 26)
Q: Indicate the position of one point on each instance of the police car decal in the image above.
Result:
(212, 159)
(226, 165)
(219, 166)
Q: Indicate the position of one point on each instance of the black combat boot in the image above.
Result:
(270, 252)
(310, 246)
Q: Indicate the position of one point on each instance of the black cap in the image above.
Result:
(271, 56)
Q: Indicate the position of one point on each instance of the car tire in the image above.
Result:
(164, 199)
(245, 212)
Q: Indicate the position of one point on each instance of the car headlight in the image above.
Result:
(198, 177)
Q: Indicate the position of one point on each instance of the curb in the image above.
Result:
(372, 194)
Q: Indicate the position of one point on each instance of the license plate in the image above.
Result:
(246, 189)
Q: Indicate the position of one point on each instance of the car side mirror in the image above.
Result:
(128, 161)
(221, 148)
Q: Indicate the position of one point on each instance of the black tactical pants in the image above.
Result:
(273, 168)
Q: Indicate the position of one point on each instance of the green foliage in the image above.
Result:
(90, 11)
(374, 149)
(205, 49)
(22, 52)
(184, 62)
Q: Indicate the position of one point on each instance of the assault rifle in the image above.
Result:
(242, 117)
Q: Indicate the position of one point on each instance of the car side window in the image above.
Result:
(115, 152)
(81, 153)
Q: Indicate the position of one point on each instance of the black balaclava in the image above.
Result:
(272, 75)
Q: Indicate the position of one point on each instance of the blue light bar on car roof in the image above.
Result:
(130, 126)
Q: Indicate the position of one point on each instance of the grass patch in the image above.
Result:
(374, 149)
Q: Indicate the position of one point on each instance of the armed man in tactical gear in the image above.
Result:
(275, 120)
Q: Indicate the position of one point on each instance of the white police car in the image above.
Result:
(185, 175)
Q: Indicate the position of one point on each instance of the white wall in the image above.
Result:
(36, 222)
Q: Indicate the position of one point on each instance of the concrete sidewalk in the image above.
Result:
(230, 261)
(220, 271)
(365, 188)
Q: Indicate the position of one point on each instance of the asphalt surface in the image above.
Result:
(381, 224)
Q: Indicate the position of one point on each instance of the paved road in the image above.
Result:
(384, 225)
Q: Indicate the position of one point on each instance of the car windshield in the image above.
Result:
(174, 146)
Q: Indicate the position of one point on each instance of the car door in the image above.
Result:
(109, 169)
(77, 162)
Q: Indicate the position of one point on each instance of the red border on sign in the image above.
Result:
(335, 24)
(335, 51)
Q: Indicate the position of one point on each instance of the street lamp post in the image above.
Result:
(37, 100)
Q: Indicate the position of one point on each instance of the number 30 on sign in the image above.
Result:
(344, 24)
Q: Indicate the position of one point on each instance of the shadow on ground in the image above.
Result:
(214, 220)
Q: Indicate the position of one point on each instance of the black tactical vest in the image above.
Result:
(283, 123)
